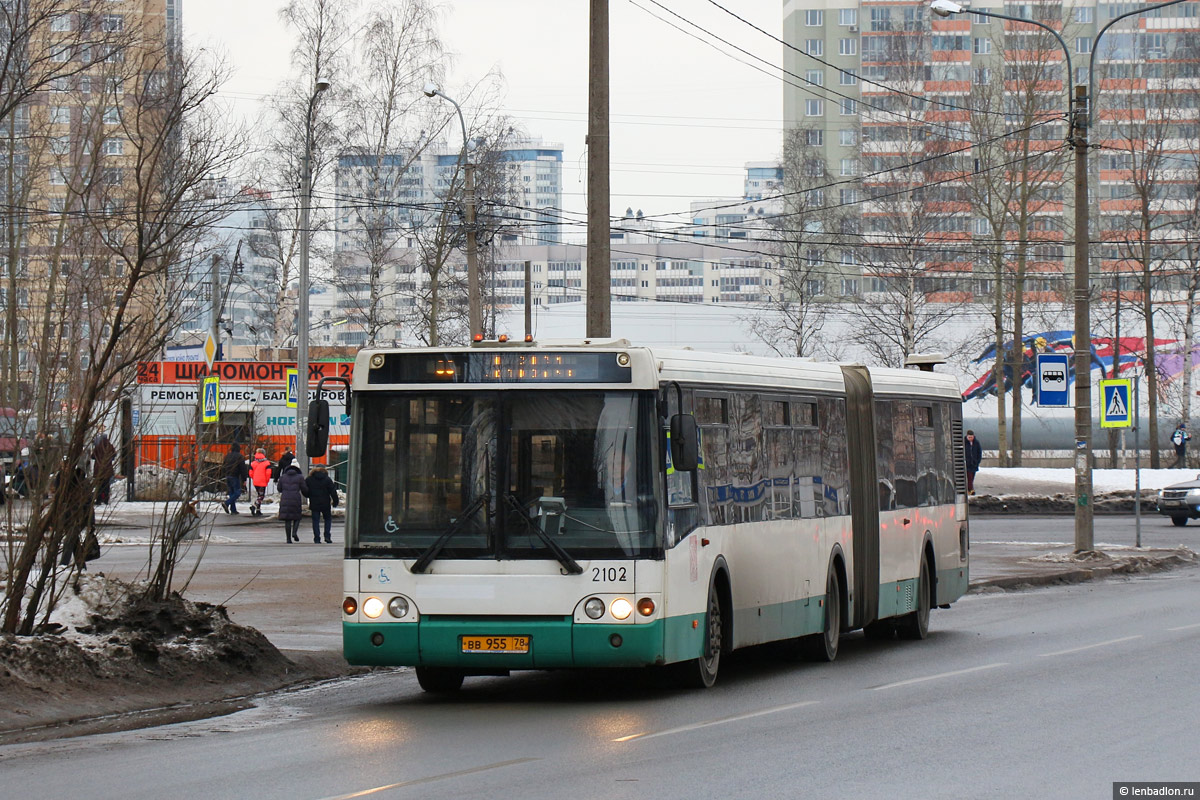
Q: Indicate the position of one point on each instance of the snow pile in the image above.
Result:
(101, 631)
(1044, 481)
(1124, 562)
(152, 482)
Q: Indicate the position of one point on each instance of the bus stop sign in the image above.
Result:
(1052, 380)
(1116, 403)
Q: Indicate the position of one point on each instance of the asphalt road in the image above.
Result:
(1121, 530)
(1049, 693)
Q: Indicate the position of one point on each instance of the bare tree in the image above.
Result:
(1145, 128)
(437, 279)
(399, 52)
(1021, 163)
(801, 236)
(325, 31)
(137, 203)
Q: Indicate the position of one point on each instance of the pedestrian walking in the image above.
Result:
(292, 490)
(103, 456)
(236, 473)
(974, 456)
(322, 499)
(260, 476)
(77, 516)
(25, 475)
(1180, 438)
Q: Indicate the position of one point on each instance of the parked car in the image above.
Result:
(1180, 501)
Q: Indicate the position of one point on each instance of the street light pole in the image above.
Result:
(474, 312)
(302, 289)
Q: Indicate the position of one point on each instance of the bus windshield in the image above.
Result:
(498, 474)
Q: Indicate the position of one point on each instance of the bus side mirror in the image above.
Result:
(317, 440)
(685, 443)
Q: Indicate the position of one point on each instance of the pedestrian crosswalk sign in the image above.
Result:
(293, 386)
(1116, 404)
(210, 400)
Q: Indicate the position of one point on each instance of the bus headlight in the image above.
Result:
(645, 606)
(398, 607)
(349, 606)
(621, 608)
(594, 608)
(372, 607)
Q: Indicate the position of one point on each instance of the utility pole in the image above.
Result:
(599, 285)
(302, 290)
(215, 301)
(528, 298)
(1084, 537)
(474, 311)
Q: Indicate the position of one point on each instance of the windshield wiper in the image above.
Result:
(562, 556)
(422, 563)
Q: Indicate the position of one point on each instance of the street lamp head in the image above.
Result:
(430, 89)
(944, 8)
(322, 84)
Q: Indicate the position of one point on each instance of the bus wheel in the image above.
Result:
(916, 624)
(439, 680)
(701, 673)
(824, 646)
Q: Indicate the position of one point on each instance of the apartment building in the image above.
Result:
(945, 135)
(78, 82)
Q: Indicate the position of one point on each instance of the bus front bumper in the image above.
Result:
(552, 643)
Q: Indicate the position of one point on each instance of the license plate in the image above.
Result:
(495, 644)
(1171, 502)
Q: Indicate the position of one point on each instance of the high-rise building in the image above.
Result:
(945, 138)
(77, 102)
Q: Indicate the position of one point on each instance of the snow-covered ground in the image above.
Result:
(1024, 479)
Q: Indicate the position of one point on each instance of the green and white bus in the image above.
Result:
(521, 506)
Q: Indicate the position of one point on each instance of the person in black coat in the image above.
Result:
(235, 470)
(322, 499)
(974, 456)
(292, 491)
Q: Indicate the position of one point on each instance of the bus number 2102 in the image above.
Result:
(608, 574)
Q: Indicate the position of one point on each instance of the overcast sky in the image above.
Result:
(685, 117)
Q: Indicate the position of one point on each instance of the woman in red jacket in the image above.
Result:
(260, 476)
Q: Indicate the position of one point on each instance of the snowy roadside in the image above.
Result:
(1030, 480)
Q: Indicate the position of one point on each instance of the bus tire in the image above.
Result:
(439, 680)
(915, 625)
(701, 673)
(823, 646)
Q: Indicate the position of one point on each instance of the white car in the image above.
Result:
(1180, 501)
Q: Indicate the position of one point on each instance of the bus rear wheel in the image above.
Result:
(916, 624)
(824, 645)
(439, 680)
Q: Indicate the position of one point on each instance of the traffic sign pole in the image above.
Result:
(1137, 465)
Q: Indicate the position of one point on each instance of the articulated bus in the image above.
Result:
(521, 506)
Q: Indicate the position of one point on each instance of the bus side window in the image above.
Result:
(712, 413)
(885, 459)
